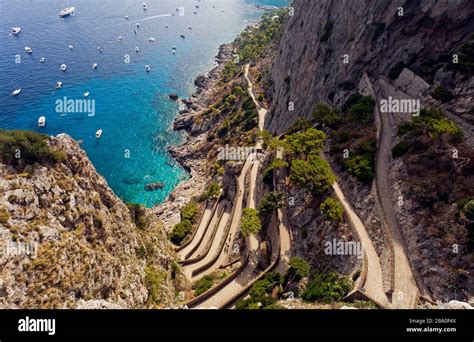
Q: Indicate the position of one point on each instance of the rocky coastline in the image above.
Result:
(189, 154)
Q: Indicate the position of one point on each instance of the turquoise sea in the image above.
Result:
(132, 106)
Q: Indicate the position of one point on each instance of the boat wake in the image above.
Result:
(156, 16)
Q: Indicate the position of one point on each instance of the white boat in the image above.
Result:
(134, 31)
(166, 26)
(67, 11)
(183, 36)
(190, 27)
(15, 30)
(63, 67)
(94, 66)
(151, 39)
(119, 38)
(42, 60)
(174, 52)
(137, 49)
(100, 49)
(28, 50)
(86, 94)
(16, 92)
(137, 25)
(126, 17)
(173, 48)
(71, 47)
(41, 121)
(59, 85)
(144, 6)
(147, 68)
(98, 134)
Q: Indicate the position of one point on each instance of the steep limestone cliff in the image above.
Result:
(309, 66)
(69, 242)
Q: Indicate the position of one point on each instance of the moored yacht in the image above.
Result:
(98, 134)
(41, 121)
(147, 68)
(94, 66)
(28, 50)
(71, 47)
(42, 60)
(67, 11)
(100, 49)
(144, 6)
(151, 39)
(59, 85)
(16, 92)
(63, 67)
(119, 38)
(137, 49)
(86, 94)
(15, 30)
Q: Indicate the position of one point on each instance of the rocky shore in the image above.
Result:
(190, 154)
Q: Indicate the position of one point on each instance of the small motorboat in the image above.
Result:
(98, 134)
(94, 66)
(190, 27)
(137, 25)
(67, 12)
(151, 39)
(173, 48)
(126, 17)
(86, 94)
(16, 92)
(174, 52)
(59, 85)
(28, 50)
(147, 68)
(135, 32)
(119, 38)
(166, 26)
(137, 49)
(183, 36)
(100, 49)
(71, 47)
(63, 67)
(144, 6)
(42, 60)
(41, 121)
(15, 30)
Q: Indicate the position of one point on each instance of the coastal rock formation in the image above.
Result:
(69, 242)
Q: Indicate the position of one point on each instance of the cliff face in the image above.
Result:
(309, 66)
(85, 248)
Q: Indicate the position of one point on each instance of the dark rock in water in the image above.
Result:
(200, 81)
(154, 186)
(131, 180)
(174, 96)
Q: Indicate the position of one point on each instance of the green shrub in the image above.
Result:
(154, 281)
(360, 166)
(265, 286)
(314, 173)
(270, 202)
(275, 164)
(138, 213)
(203, 285)
(32, 147)
(327, 115)
(442, 94)
(304, 143)
(363, 110)
(333, 209)
(299, 268)
(212, 192)
(250, 222)
(327, 288)
(4, 215)
(180, 231)
(189, 212)
(400, 149)
(468, 210)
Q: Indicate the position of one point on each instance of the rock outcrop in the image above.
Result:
(69, 242)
